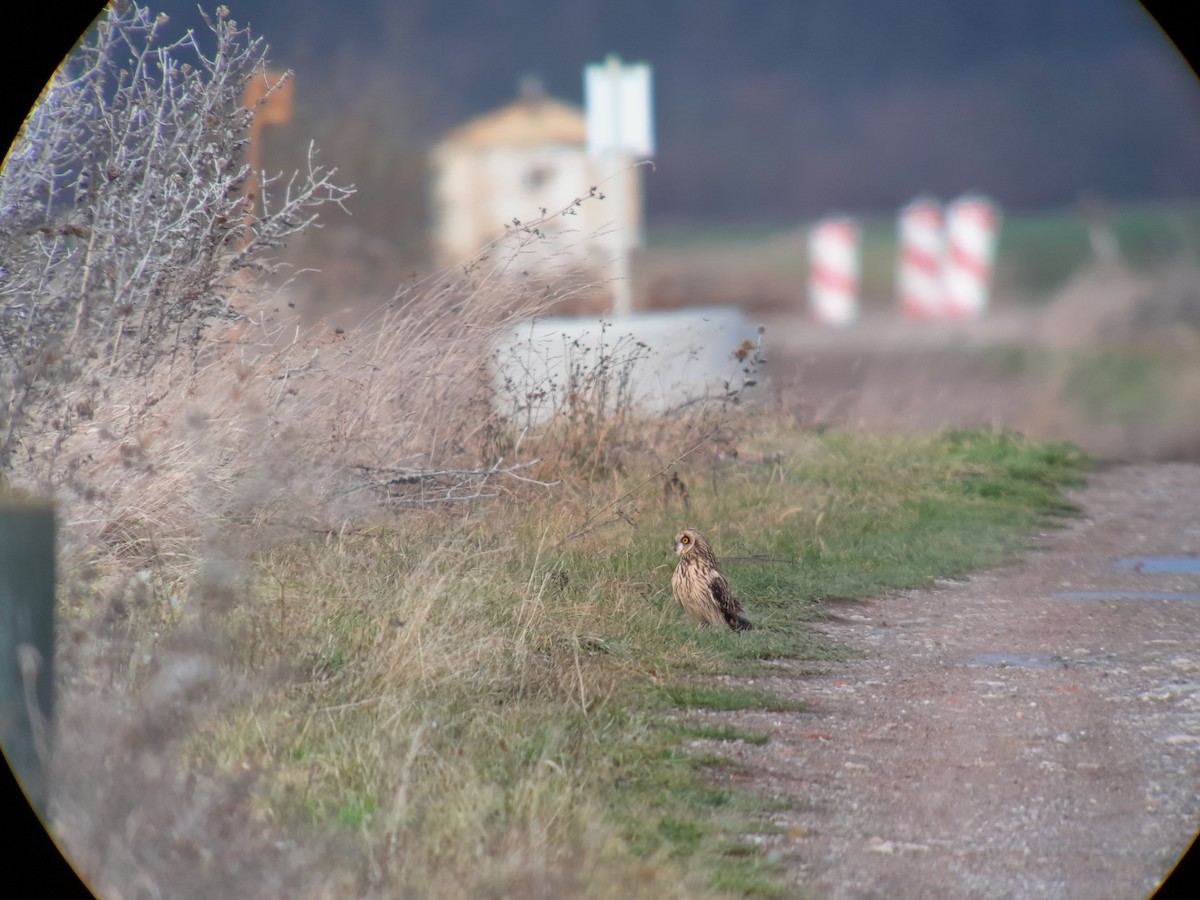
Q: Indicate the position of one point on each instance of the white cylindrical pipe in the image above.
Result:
(972, 224)
(919, 259)
(833, 271)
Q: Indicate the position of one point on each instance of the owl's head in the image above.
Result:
(687, 539)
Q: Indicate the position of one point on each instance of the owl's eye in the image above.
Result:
(685, 540)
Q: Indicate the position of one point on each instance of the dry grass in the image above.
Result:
(438, 709)
(468, 699)
(265, 416)
(315, 638)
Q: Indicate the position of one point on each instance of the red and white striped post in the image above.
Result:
(833, 271)
(919, 261)
(972, 223)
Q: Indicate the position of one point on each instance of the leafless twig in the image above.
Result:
(438, 485)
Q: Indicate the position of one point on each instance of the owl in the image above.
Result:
(700, 589)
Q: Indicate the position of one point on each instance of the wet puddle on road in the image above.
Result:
(1144, 565)
(1160, 564)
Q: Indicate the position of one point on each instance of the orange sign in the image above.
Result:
(275, 109)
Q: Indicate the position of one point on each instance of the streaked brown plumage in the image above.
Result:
(700, 589)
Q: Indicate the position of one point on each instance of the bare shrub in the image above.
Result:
(580, 422)
(123, 214)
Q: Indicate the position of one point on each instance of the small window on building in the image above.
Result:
(538, 176)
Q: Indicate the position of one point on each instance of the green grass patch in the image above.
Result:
(1119, 386)
(725, 699)
(356, 811)
(668, 809)
(722, 733)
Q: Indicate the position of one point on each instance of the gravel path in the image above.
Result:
(998, 737)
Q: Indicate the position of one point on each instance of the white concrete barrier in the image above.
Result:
(833, 271)
(919, 260)
(653, 362)
(972, 224)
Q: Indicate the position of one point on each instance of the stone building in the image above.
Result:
(524, 161)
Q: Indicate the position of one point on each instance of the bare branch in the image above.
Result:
(439, 485)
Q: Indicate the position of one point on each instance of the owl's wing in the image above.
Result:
(729, 607)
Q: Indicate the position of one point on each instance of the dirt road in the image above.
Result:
(1031, 732)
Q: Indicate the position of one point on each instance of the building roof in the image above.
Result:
(529, 121)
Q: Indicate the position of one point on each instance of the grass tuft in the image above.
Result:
(726, 699)
(722, 733)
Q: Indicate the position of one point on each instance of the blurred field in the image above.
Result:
(764, 267)
(1106, 355)
(1070, 349)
